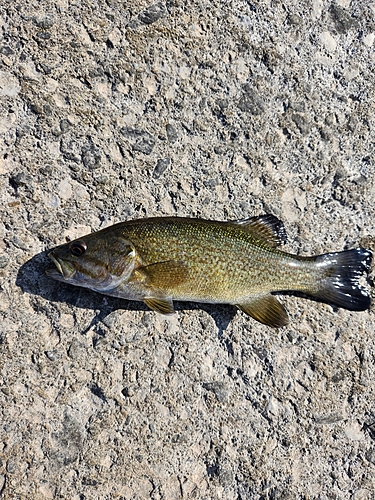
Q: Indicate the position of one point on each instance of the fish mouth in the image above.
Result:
(63, 269)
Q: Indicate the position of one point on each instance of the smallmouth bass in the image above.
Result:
(161, 259)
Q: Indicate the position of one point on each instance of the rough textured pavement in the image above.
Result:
(211, 108)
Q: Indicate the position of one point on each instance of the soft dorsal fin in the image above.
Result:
(266, 227)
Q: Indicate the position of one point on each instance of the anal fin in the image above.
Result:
(160, 305)
(267, 310)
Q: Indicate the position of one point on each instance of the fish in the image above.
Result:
(164, 259)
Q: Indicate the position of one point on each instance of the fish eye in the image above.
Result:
(78, 248)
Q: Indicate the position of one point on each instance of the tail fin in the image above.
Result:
(341, 273)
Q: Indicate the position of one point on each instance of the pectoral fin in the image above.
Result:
(160, 278)
(162, 306)
(266, 309)
(165, 275)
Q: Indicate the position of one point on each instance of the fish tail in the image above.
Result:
(339, 279)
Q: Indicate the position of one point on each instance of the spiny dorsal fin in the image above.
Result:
(266, 227)
(266, 309)
(162, 306)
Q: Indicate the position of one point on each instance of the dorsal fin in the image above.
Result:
(266, 227)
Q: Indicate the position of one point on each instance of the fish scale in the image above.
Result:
(242, 261)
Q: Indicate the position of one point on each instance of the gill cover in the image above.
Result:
(94, 261)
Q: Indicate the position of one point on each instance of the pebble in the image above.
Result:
(144, 141)
(145, 144)
(11, 466)
(153, 13)
(53, 200)
(44, 22)
(64, 189)
(6, 51)
(218, 388)
(4, 261)
(342, 19)
(22, 179)
(161, 167)
(328, 419)
(369, 39)
(53, 355)
(250, 102)
(302, 124)
(370, 455)
(171, 133)
(131, 133)
(354, 432)
(19, 243)
(328, 41)
(65, 126)
(9, 85)
(91, 157)
(44, 35)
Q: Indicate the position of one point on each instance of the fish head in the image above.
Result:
(99, 261)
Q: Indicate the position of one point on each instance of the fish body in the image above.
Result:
(159, 260)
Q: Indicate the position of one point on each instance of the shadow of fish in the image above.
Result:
(161, 259)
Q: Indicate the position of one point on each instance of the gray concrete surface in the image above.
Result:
(218, 109)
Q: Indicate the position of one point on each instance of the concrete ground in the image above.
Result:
(115, 110)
